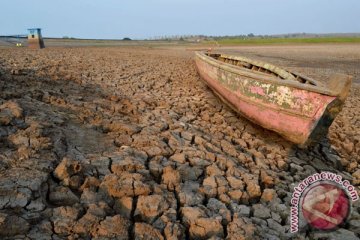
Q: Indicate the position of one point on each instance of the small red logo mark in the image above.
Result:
(325, 206)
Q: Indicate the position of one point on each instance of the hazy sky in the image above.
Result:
(149, 18)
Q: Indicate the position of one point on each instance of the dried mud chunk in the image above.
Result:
(12, 225)
(63, 196)
(187, 135)
(228, 148)
(5, 117)
(19, 140)
(149, 208)
(199, 140)
(171, 177)
(190, 214)
(267, 180)
(175, 141)
(235, 195)
(89, 196)
(122, 139)
(157, 150)
(225, 163)
(240, 210)
(66, 169)
(123, 206)
(63, 219)
(239, 229)
(152, 145)
(260, 211)
(348, 146)
(127, 164)
(156, 166)
(356, 176)
(213, 170)
(36, 205)
(32, 179)
(253, 189)
(189, 173)
(282, 165)
(100, 209)
(17, 186)
(90, 182)
(215, 185)
(101, 164)
(38, 143)
(178, 157)
(272, 224)
(196, 161)
(117, 186)
(9, 111)
(242, 143)
(268, 195)
(216, 209)
(75, 182)
(41, 231)
(174, 231)
(126, 185)
(12, 197)
(126, 128)
(113, 227)
(87, 224)
(235, 183)
(205, 228)
(210, 186)
(189, 194)
(141, 188)
(128, 160)
(167, 217)
(145, 231)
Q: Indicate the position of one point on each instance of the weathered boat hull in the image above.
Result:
(299, 115)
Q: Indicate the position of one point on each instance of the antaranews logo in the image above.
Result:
(323, 200)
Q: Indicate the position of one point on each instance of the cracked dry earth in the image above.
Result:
(129, 143)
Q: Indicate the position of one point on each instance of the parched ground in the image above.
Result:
(129, 143)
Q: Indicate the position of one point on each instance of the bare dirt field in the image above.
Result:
(129, 143)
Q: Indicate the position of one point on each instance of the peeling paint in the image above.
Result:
(257, 90)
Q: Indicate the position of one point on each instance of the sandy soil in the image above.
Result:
(129, 143)
(318, 61)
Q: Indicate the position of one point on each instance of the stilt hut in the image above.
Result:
(35, 39)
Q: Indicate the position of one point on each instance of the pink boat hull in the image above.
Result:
(299, 115)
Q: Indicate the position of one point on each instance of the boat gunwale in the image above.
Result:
(261, 77)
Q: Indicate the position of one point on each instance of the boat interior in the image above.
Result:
(263, 68)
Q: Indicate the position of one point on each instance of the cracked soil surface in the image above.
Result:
(129, 143)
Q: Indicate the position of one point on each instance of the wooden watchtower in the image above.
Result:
(35, 39)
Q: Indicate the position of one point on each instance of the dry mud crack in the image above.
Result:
(129, 143)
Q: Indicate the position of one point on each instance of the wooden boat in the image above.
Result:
(297, 107)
